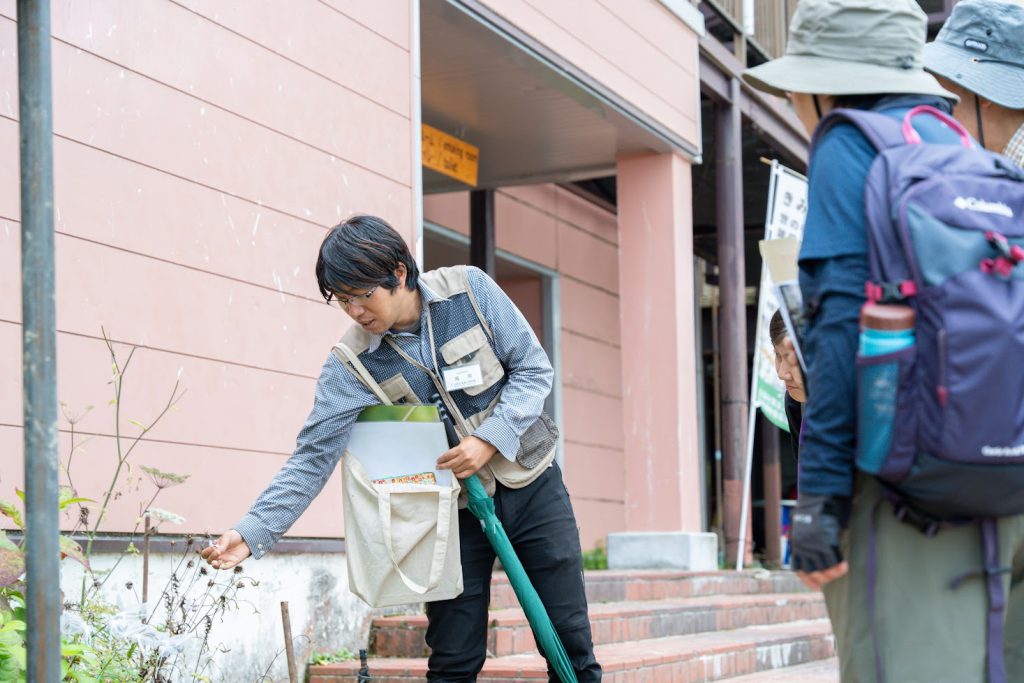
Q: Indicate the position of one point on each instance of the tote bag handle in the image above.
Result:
(444, 518)
(444, 499)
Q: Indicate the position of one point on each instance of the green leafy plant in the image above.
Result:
(12, 646)
(336, 657)
(596, 558)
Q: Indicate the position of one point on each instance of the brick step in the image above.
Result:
(615, 586)
(825, 671)
(699, 658)
(613, 622)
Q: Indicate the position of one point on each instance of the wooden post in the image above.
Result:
(289, 649)
(733, 313)
(772, 493)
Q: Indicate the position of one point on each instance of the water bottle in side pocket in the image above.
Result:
(887, 332)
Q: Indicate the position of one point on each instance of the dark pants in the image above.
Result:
(540, 523)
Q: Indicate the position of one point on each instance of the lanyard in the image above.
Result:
(433, 375)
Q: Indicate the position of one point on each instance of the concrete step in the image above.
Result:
(614, 622)
(614, 586)
(699, 658)
(825, 671)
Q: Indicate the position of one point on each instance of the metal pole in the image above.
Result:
(716, 388)
(733, 330)
(416, 115)
(39, 341)
(145, 561)
(481, 230)
(746, 541)
(746, 529)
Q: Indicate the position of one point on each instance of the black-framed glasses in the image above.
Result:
(360, 299)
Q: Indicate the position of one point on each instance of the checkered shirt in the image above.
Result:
(1015, 149)
(340, 397)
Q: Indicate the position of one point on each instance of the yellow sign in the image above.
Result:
(449, 155)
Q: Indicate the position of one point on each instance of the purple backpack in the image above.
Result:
(945, 229)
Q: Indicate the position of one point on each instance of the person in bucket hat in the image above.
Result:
(979, 55)
(869, 55)
(839, 47)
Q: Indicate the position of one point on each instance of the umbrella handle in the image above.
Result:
(474, 488)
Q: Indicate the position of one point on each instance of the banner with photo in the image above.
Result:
(787, 208)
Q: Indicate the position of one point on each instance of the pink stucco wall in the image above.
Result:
(200, 150)
(555, 228)
(528, 294)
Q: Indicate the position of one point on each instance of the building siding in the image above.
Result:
(200, 151)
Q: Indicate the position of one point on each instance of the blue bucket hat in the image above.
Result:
(981, 49)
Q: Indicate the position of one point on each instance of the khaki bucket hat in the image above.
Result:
(851, 47)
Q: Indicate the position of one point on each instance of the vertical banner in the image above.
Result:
(787, 207)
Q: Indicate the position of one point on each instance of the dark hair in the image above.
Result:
(360, 253)
(866, 102)
(777, 329)
(857, 101)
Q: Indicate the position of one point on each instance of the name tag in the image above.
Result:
(462, 377)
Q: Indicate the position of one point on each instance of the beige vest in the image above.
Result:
(448, 282)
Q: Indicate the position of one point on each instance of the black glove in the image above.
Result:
(817, 522)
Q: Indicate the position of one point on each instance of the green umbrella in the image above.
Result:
(482, 506)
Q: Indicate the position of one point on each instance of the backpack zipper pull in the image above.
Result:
(941, 391)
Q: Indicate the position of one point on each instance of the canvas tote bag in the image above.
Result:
(401, 539)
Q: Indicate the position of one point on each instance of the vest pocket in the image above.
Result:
(537, 442)
(398, 389)
(471, 347)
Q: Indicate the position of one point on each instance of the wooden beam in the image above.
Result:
(733, 314)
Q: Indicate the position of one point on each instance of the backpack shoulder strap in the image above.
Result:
(882, 131)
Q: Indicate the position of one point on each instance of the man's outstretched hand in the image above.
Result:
(227, 551)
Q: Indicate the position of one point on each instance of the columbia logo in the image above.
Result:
(982, 206)
(1002, 451)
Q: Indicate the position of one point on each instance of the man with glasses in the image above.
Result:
(412, 330)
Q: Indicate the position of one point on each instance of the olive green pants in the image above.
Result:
(927, 632)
